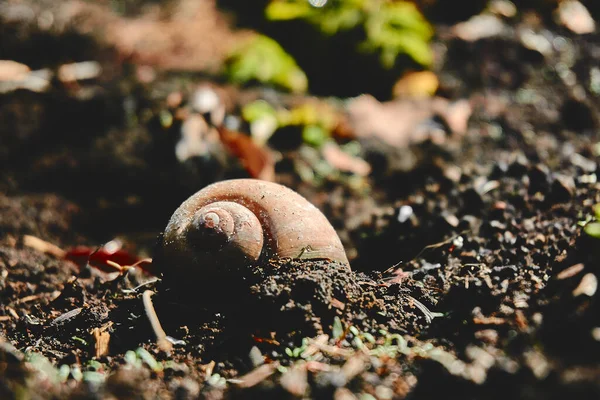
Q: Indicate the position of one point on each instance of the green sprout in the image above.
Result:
(262, 59)
(592, 225)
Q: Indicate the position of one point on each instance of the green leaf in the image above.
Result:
(597, 211)
(146, 357)
(338, 330)
(263, 59)
(285, 11)
(314, 135)
(593, 229)
(257, 110)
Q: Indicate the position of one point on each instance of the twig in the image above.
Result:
(429, 246)
(38, 296)
(429, 316)
(141, 285)
(43, 246)
(161, 337)
(125, 268)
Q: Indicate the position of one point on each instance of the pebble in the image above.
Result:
(539, 179)
(587, 286)
(562, 189)
(404, 213)
(518, 166)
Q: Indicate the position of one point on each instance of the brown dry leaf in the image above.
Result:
(257, 160)
(416, 84)
(101, 339)
(401, 122)
(343, 161)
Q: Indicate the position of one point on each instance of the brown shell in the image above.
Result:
(292, 226)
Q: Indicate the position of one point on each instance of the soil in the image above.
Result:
(471, 274)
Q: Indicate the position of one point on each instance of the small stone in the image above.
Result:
(256, 357)
(587, 286)
(539, 179)
(473, 202)
(562, 189)
(576, 17)
(539, 239)
(497, 225)
(499, 170)
(489, 336)
(295, 380)
(404, 213)
(452, 220)
(584, 163)
(518, 166)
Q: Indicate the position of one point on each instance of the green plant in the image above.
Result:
(391, 27)
(262, 59)
(592, 225)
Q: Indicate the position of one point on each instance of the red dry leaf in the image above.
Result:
(99, 257)
(257, 160)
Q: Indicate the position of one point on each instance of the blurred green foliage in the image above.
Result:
(262, 59)
(592, 227)
(391, 27)
(317, 120)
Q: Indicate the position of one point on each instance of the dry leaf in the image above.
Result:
(416, 84)
(258, 161)
(101, 339)
(401, 122)
(343, 161)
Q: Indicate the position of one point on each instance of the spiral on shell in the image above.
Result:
(233, 224)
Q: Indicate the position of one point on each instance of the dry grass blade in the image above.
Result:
(43, 246)
(161, 337)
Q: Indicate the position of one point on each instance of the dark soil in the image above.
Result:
(471, 275)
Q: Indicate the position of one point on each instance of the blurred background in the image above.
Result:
(452, 144)
(127, 106)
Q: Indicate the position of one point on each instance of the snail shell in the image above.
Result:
(231, 224)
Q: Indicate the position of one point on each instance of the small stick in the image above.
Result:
(43, 246)
(124, 268)
(38, 296)
(161, 337)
